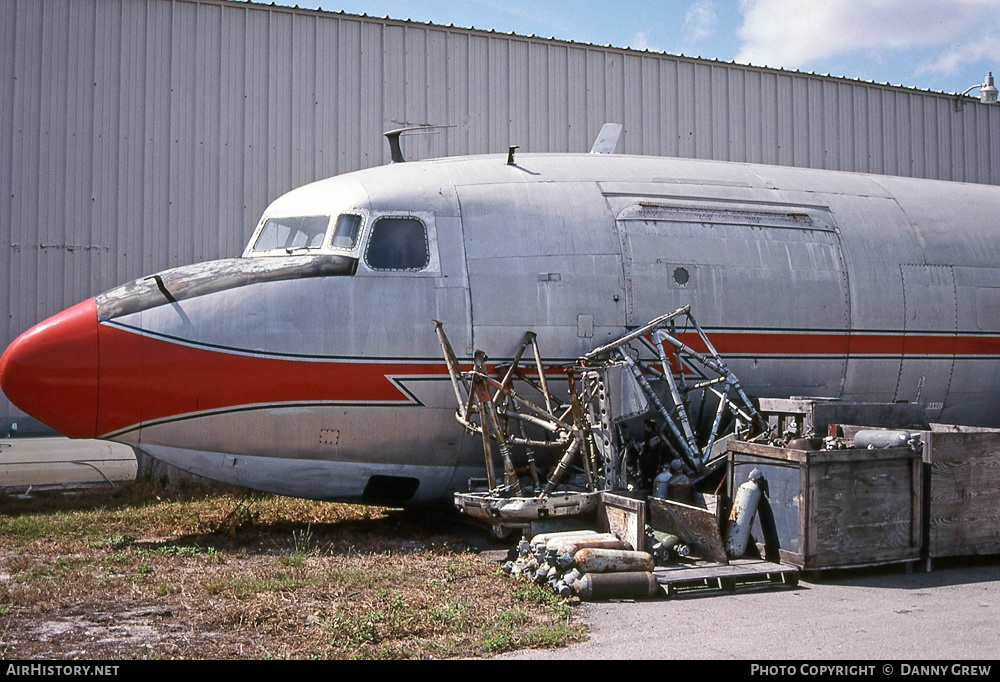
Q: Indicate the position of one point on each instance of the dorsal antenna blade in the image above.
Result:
(395, 150)
(607, 139)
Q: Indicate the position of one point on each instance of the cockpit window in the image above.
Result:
(292, 233)
(397, 244)
(345, 235)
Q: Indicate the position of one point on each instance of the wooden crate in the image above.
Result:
(697, 527)
(815, 415)
(964, 491)
(838, 508)
(625, 517)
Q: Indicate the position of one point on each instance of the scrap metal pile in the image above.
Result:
(630, 413)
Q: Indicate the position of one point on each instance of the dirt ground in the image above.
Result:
(136, 578)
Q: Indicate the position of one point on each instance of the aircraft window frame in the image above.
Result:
(359, 237)
(429, 242)
(287, 249)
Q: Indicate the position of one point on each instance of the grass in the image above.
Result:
(241, 586)
(302, 548)
(283, 578)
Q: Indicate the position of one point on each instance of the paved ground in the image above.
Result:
(876, 614)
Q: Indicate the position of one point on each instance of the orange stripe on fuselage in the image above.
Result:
(144, 378)
(840, 344)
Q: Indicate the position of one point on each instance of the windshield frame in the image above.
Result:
(359, 239)
(287, 249)
(326, 247)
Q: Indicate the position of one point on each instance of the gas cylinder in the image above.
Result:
(566, 586)
(612, 560)
(543, 538)
(660, 483)
(872, 438)
(664, 546)
(595, 540)
(635, 585)
(567, 551)
(741, 518)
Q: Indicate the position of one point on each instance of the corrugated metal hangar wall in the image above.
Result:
(137, 135)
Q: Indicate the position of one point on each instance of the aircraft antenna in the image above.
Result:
(607, 139)
(395, 151)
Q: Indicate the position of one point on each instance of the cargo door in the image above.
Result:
(767, 281)
(930, 305)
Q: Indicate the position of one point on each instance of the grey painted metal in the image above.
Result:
(137, 135)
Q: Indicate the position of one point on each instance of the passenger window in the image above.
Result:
(397, 244)
(299, 232)
(345, 235)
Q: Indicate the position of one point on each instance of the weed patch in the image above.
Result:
(284, 579)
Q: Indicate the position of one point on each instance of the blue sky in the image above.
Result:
(942, 45)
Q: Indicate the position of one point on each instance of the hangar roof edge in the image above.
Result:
(626, 49)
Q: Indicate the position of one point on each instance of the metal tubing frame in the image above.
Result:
(692, 458)
(491, 426)
(658, 337)
(494, 399)
(636, 333)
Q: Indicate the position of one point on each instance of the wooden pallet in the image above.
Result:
(741, 575)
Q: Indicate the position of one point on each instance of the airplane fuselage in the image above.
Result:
(309, 366)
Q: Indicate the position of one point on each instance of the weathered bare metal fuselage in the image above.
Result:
(312, 373)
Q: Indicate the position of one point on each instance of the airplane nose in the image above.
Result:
(51, 371)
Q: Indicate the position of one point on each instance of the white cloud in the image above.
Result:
(641, 42)
(795, 33)
(700, 21)
(949, 62)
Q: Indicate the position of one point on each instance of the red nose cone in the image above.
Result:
(51, 371)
